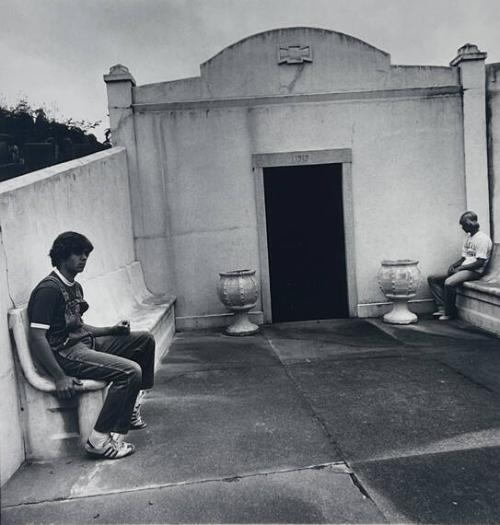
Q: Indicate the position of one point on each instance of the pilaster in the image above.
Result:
(120, 83)
(471, 64)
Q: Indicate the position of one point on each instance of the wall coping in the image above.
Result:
(46, 173)
(388, 94)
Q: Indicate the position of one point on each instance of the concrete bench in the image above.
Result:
(478, 301)
(56, 427)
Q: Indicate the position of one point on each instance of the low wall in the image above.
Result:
(89, 195)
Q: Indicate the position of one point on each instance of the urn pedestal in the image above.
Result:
(399, 280)
(238, 291)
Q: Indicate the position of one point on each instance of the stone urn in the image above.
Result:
(238, 292)
(399, 281)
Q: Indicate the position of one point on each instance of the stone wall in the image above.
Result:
(89, 195)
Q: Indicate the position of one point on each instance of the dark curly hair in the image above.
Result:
(66, 244)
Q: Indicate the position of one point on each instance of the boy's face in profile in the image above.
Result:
(75, 263)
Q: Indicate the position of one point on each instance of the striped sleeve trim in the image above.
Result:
(40, 325)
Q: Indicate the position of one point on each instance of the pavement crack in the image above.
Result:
(231, 480)
(357, 483)
(307, 404)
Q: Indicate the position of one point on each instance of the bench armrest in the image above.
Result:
(18, 323)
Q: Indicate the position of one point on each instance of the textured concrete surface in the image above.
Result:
(336, 430)
(302, 496)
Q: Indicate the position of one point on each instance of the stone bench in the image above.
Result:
(56, 427)
(478, 301)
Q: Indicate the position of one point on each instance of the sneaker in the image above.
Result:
(439, 312)
(110, 449)
(445, 318)
(136, 421)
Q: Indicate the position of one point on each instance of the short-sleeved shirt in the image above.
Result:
(477, 246)
(58, 308)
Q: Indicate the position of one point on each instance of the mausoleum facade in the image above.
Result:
(401, 151)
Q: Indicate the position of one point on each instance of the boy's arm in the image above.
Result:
(478, 263)
(121, 328)
(453, 268)
(65, 385)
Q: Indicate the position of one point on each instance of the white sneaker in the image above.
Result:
(111, 449)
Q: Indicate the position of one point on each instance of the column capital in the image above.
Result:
(119, 73)
(468, 52)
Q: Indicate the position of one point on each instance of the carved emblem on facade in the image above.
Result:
(294, 54)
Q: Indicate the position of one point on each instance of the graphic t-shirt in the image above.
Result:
(58, 308)
(477, 246)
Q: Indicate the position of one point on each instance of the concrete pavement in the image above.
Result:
(342, 421)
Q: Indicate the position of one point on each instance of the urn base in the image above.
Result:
(241, 325)
(400, 314)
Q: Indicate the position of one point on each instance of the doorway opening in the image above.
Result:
(306, 242)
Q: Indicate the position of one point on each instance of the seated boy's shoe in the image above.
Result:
(445, 317)
(136, 421)
(110, 449)
(439, 312)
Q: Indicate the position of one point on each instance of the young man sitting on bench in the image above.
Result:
(71, 350)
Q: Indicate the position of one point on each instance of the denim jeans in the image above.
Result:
(127, 361)
(443, 288)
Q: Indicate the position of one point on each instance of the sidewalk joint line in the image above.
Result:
(340, 467)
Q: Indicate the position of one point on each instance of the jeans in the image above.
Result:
(127, 361)
(443, 288)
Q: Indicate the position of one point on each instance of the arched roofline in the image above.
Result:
(277, 30)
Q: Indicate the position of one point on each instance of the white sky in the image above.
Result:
(56, 51)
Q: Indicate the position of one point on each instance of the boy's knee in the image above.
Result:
(450, 283)
(134, 374)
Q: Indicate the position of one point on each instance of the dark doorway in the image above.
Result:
(306, 246)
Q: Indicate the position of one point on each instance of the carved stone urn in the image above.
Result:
(238, 292)
(399, 281)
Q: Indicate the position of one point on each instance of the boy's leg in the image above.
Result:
(436, 285)
(125, 377)
(138, 347)
(450, 286)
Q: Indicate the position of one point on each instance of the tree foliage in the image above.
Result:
(31, 140)
(23, 124)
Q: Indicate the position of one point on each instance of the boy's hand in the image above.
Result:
(67, 386)
(122, 328)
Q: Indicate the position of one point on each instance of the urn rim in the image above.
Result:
(399, 262)
(237, 273)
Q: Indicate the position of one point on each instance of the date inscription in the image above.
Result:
(300, 158)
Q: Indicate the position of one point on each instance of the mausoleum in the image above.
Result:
(305, 154)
